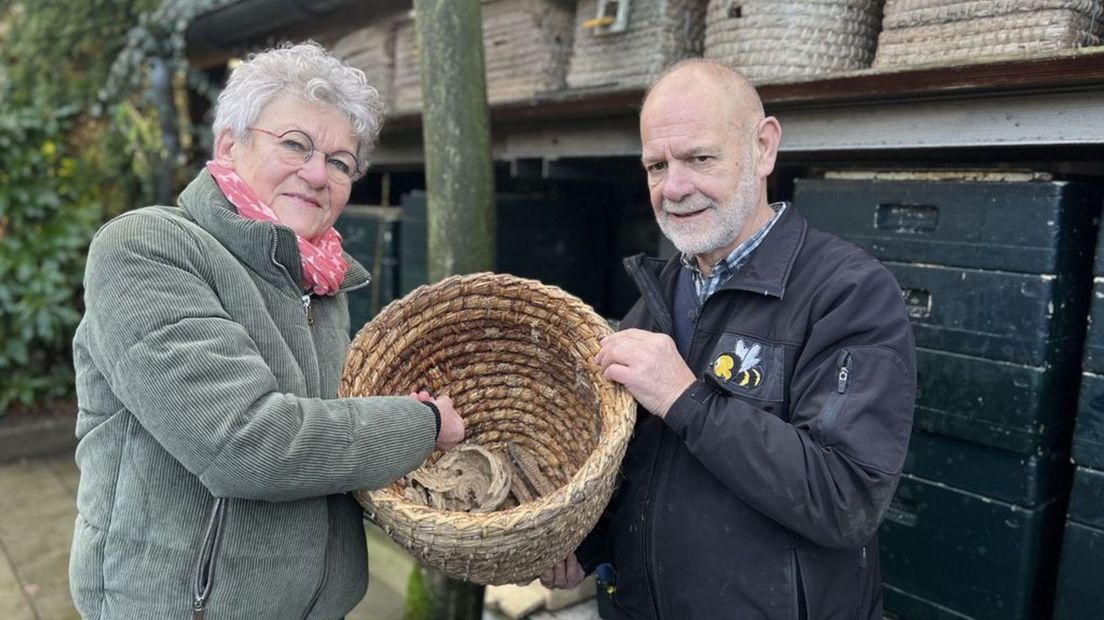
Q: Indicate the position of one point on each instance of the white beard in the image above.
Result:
(715, 228)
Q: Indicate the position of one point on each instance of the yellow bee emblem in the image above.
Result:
(723, 365)
(740, 366)
(751, 377)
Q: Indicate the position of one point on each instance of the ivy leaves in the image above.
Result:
(79, 142)
(47, 216)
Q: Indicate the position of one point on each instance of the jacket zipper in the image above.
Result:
(663, 452)
(205, 567)
(843, 377)
(653, 298)
(801, 602)
(844, 365)
(306, 299)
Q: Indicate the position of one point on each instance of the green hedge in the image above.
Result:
(84, 134)
(48, 212)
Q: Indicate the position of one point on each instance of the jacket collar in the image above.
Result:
(268, 249)
(768, 268)
(766, 272)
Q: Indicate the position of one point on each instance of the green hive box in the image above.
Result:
(996, 280)
(1031, 319)
(1025, 227)
(969, 554)
(370, 235)
(1087, 498)
(900, 605)
(556, 242)
(1028, 480)
(1088, 435)
(1081, 576)
(1026, 409)
(1094, 339)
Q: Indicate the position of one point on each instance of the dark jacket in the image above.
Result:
(760, 494)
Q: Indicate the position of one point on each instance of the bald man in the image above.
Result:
(775, 372)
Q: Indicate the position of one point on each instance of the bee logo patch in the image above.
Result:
(743, 366)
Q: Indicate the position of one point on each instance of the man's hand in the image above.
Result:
(565, 574)
(648, 364)
(452, 425)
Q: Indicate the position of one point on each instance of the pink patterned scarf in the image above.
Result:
(323, 265)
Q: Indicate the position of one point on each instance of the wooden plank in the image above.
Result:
(1082, 69)
(1076, 69)
(1035, 120)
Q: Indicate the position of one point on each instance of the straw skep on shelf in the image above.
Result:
(771, 41)
(545, 432)
(957, 32)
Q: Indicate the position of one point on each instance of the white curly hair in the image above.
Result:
(308, 72)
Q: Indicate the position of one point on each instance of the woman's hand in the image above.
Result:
(452, 425)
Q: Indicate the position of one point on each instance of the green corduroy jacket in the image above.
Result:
(214, 455)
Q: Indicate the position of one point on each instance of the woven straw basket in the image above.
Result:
(516, 357)
(950, 32)
(659, 33)
(788, 40)
(526, 47)
(371, 49)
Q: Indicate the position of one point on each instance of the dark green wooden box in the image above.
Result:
(370, 235)
(1027, 227)
(1087, 499)
(1081, 576)
(1010, 406)
(1029, 480)
(556, 242)
(901, 605)
(1094, 338)
(990, 269)
(972, 554)
(1030, 319)
(1088, 435)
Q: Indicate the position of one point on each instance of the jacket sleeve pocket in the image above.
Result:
(867, 415)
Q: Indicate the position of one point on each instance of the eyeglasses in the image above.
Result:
(296, 148)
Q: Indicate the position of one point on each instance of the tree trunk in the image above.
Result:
(456, 134)
(459, 187)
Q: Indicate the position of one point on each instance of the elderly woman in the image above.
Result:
(215, 457)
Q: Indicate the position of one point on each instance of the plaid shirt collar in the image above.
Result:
(724, 268)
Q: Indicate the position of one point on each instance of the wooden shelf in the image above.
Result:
(1039, 102)
(1072, 70)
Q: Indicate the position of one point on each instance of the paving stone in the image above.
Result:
(389, 569)
(36, 531)
(66, 470)
(13, 602)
